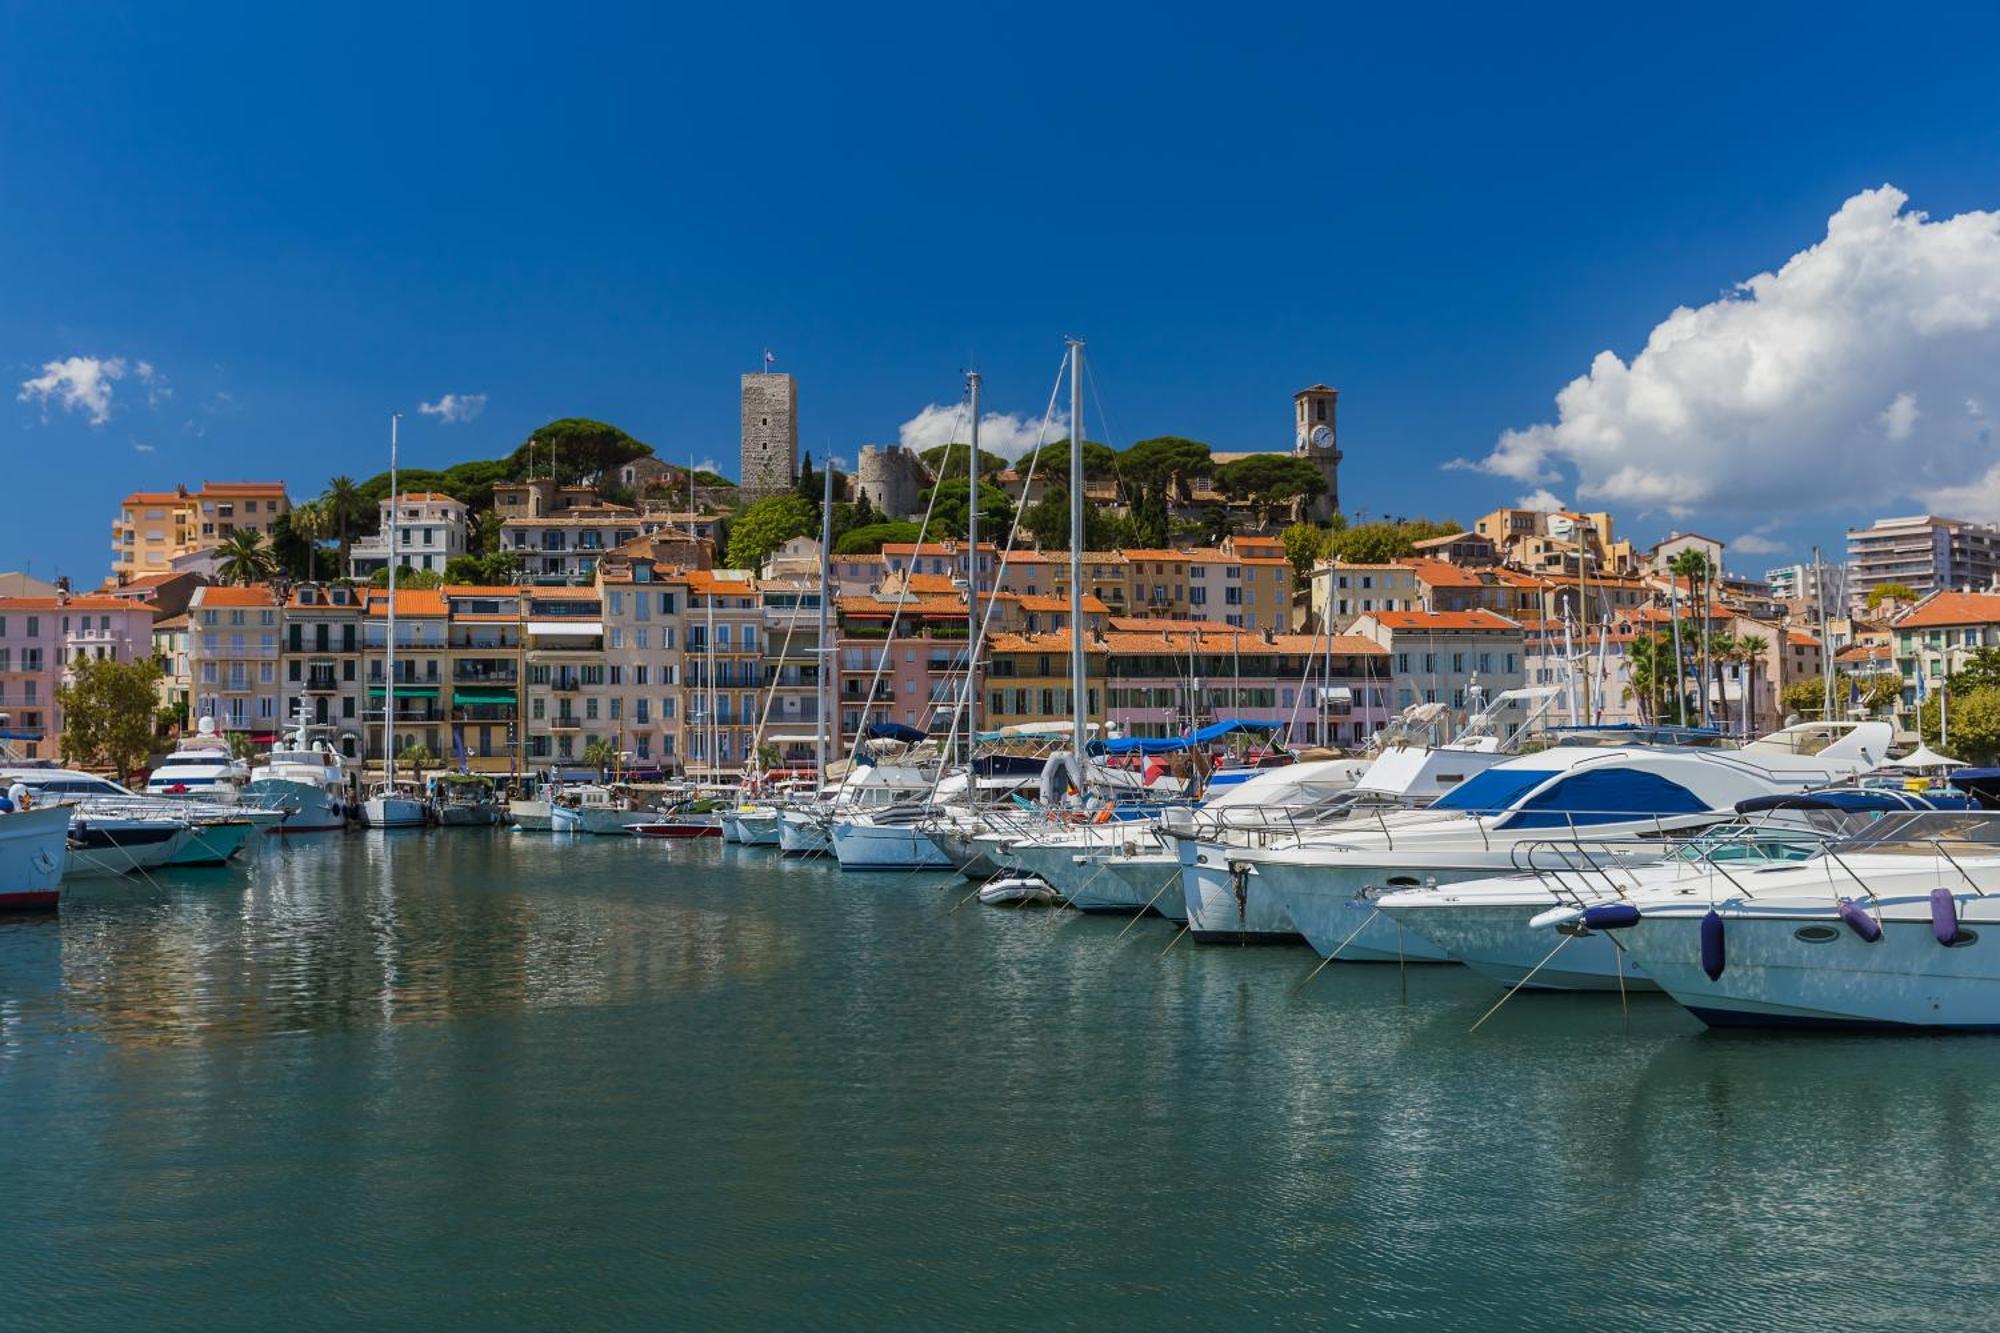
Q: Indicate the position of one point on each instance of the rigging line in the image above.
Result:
(902, 598)
(1522, 982)
(771, 692)
(1110, 433)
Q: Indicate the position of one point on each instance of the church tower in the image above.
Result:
(1317, 440)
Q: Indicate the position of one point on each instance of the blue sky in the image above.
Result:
(300, 223)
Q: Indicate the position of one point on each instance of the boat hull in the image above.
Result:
(308, 808)
(111, 848)
(34, 853)
(757, 828)
(1223, 907)
(213, 842)
(677, 830)
(1155, 877)
(1330, 907)
(886, 847)
(1497, 941)
(392, 812)
(468, 816)
(803, 834)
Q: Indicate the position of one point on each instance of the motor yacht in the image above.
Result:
(463, 800)
(34, 853)
(1895, 928)
(590, 808)
(306, 778)
(1328, 883)
(117, 830)
(202, 767)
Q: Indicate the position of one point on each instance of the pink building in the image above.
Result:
(38, 637)
(1162, 682)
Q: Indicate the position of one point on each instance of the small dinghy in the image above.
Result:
(1018, 891)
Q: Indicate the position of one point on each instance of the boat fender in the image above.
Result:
(1059, 774)
(1712, 958)
(1857, 919)
(1611, 916)
(1555, 916)
(1944, 917)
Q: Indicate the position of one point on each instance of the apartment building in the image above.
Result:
(1340, 592)
(643, 607)
(233, 660)
(1438, 656)
(1028, 681)
(39, 638)
(154, 529)
(430, 529)
(422, 643)
(171, 636)
(1924, 552)
(1107, 576)
(900, 656)
(1162, 682)
(321, 628)
(568, 681)
(792, 665)
(485, 640)
(723, 667)
(1933, 639)
(566, 546)
(1206, 583)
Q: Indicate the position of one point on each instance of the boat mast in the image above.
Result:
(1825, 653)
(825, 593)
(972, 570)
(389, 668)
(1077, 695)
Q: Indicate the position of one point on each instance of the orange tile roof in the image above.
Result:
(1801, 638)
(1440, 620)
(409, 602)
(1953, 608)
(1149, 625)
(711, 581)
(1056, 642)
(427, 495)
(932, 583)
(1031, 602)
(257, 594)
(1444, 574)
(886, 604)
(477, 590)
(156, 498)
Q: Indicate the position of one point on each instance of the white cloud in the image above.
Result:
(157, 388)
(1544, 499)
(1001, 433)
(1773, 397)
(140, 447)
(1756, 543)
(455, 407)
(77, 384)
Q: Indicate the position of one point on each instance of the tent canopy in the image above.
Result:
(1925, 757)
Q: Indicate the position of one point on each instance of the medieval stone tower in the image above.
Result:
(892, 478)
(1317, 439)
(770, 462)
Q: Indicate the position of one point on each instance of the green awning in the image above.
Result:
(406, 691)
(487, 695)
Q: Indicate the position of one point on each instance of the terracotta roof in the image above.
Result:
(156, 498)
(421, 496)
(932, 583)
(477, 590)
(1865, 652)
(1057, 642)
(1030, 602)
(409, 602)
(1207, 555)
(1953, 608)
(257, 594)
(1444, 574)
(1439, 620)
(134, 585)
(885, 604)
(1149, 625)
(712, 581)
(86, 602)
(1801, 638)
(172, 622)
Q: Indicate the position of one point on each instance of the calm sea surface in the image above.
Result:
(492, 1080)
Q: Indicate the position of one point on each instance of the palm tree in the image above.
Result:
(245, 557)
(600, 755)
(1721, 646)
(313, 521)
(345, 505)
(1693, 565)
(1751, 649)
(1649, 665)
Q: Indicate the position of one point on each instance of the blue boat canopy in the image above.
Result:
(1174, 744)
(895, 731)
(1859, 800)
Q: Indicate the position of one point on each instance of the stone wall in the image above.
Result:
(891, 477)
(770, 459)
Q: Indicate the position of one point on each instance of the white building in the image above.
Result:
(1438, 656)
(431, 529)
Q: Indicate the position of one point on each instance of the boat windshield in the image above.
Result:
(1493, 791)
(1973, 833)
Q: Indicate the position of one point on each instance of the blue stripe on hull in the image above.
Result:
(1737, 1020)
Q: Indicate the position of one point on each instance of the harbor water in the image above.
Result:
(478, 1079)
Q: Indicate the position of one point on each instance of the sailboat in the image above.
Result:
(390, 806)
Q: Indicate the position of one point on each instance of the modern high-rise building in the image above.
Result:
(770, 460)
(1795, 581)
(1925, 553)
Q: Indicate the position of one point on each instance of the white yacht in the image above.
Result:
(878, 819)
(1886, 931)
(116, 830)
(306, 778)
(1328, 883)
(1494, 925)
(34, 852)
(590, 808)
(201, 767)
(394, 804)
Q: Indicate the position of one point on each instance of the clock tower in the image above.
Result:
(1316, 440)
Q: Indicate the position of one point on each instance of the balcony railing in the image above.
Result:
(321, 682)
(464, 673)
(565, 722)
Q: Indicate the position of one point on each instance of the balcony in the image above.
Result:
(471, 673)
(565, 722)
(484, 712)
(565, 684)
(321, 682)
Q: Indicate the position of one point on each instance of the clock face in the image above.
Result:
(1322, 438)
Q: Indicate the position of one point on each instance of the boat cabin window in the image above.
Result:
(1605, 796)
(74, 787)
(1493, 791)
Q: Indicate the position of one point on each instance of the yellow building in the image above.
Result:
(1028, 680)
(155, 528)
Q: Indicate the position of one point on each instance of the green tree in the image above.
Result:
(870, 539)
(574, 448)
(313, 523)
(1975, 724)
(1047, 520)
(950, 512)
(1881, 593)
(1803, 698)
(408, 578)
(418, 757)
(1151, 519)
(1270, 479)
(108, 712)
(245, 557)
(1750, 651)
(948, 460)
(767, 524)
(1165, 461)
(1651, 675)
(1306, 544)
(348, 511)
(484, 537)
(1382, 542)
(600, 754)
(1051, 461)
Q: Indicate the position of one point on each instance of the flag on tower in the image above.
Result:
(769, 359)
